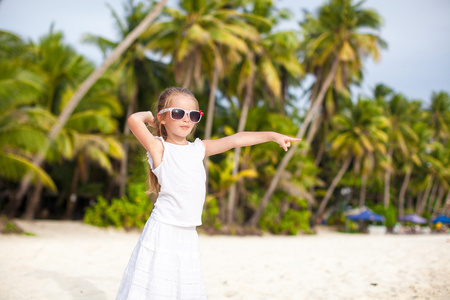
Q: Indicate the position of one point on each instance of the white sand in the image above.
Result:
(71, 260)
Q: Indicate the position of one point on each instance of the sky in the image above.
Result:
(416, 62)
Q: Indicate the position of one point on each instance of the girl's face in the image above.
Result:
(178, 130)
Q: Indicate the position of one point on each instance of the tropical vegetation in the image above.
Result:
(75, 159)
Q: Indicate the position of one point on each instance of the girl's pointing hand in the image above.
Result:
(285, 141)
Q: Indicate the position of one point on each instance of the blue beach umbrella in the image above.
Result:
(367, 215)
(442, 219)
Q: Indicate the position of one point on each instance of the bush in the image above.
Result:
(210, 213)
(292, 221)
(390, 214)
(131, 211)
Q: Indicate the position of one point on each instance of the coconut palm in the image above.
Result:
(298, 177)
(398, 110)
(59, 69)
(221, 179)
(359, 134)
(132, 80)
(334, 50)
(438, 173)
(440, 115)
(20, 137)
(202, 38)
(86, 85)
(193, 37)
(258, 74)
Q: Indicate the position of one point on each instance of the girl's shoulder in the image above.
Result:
(198, 143)
(156, 156)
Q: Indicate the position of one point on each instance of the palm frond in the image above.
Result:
(14, 168)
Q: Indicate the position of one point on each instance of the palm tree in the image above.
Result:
(59, 69)
(194, 38)
(129, 66)
(85, 86)
(398, 110)
(203, 38)
(334, 49)
(443, 176)
(411, 138)
(439, 172)
(359, 134)
(274, 54)
(221, 179)
(440, 115)
(20, 136)
(298, 177)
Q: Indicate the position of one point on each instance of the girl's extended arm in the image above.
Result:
(137, 125)
(242, 139)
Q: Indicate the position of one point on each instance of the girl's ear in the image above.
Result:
(160, 118)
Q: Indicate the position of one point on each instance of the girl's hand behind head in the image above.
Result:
(150, 120)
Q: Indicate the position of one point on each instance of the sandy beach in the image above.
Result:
(71, 260)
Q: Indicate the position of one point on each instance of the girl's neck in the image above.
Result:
(181, 141)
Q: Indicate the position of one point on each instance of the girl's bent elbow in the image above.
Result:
(131, 119)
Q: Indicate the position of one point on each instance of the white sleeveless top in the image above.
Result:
(182, 177)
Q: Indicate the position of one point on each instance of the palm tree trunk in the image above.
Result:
(210, 115)
(421, 205)
(33, 202)
(126, 144)
(362, 194)
(439, 199)
(387, 180)
(284, 91)
(237, 151)
(401, 196)
(432, 197)
(81, 91)
(188, 78)
(284, 162)
(311, 133)
(222, 204)
(71, 202)
(333, 185)
(319, 155)
(446, 204)
(409, 203)
(418, 197)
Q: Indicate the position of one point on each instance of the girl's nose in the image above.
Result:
(186, 118)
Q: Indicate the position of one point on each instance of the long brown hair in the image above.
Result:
(159, 130)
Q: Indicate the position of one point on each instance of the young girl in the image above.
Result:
(165, 263)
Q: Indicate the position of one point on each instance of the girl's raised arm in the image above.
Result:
(136, 122)
(242, 139)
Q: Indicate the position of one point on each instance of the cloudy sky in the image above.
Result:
(416, 63)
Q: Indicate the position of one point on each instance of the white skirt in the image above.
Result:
(165, 264)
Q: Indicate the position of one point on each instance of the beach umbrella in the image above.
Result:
(441, 219)
(363, 214)
(413, 218)
(366, 215)
(355, 211)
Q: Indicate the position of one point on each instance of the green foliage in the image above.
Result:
(390, 214)
(210, 216)
(132, 211)
(386, 133)
(291, 222)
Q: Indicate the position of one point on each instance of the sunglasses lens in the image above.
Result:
(195, 116)
(178, 114)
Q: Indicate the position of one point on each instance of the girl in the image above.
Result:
(165, 263)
